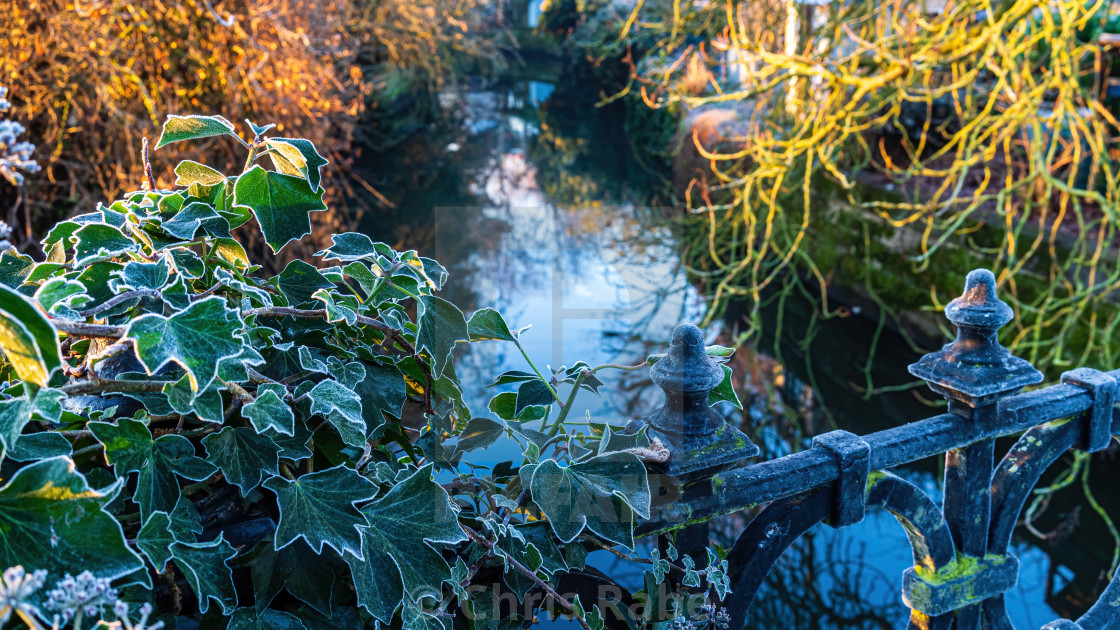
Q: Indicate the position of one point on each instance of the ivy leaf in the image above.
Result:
(503, 406)
(441, 326)
(155, 538)
(197, 338)
(342, 408)
(99, 241)
(396, 545)
(337, 309)
(188, 173)
(269, 411)
(298, 157)
(28, 339)
(306, 575)
(142, 275)
(268, 619)
(352, 246)
(532, 393)
(129, 447)
(281, 203)
(600, 493)
(319, 508)
(243, 455)
(488, 323)
(725, 390)
(15, 268)
(179, 128)
(205, 566)
(480, 433)
(54, 520)
(299, 281)
(35, 446)
(186, 223)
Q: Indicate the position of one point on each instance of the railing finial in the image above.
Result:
(699, 440)
(975, 369)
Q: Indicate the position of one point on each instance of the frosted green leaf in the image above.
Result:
(488, 323)
(342, 408)
(601, 494)
(269, 411)
(352, 246)
(532, 393)
(725, 390)
(142, 275)
(179, 128)
(129, 447)
(59, 294)
(337, 308)
(99, 241)
(155, 538)
(298, 157)
(479, 433)
(319, 508)
(54, 520)
(197, 339)
(441, 326)
(299, 281)
(244, 456)
(281, 203)
(186, 222)
(205, 566)
(397, 546)
(189, 172)
(29, 341)
(306, 575)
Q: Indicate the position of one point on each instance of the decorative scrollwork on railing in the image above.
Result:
(963, 562)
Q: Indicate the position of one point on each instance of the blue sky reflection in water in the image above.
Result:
(606, 285)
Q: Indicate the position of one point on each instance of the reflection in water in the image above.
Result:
(526, 210)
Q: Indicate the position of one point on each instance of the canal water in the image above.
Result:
(519, 196)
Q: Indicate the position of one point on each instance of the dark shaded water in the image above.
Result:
(520, 198)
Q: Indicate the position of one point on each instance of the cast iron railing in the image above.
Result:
(963, 563)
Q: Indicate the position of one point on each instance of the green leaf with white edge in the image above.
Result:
(54, 520)
(129, 447)
(155, 538)
(306, 575)
(268, 619)
(35, 446)
(601, 493)
(269, 411)
(415, 618)
(206, 568)
(296, 156)
(15, 267)
(97, 241)
(441, 326)
(153, 276)
(299, 281)
(319, 508)
(259, 130)
(397, 546)
(15, 413)
(532, 393)
(244, 456)
(337, 308)
(725, 390)
(504, 404)
(353, 246)
(28, 339)
(189, 172)
(281, 203)
(179, 128)
(479, 433)
(58, 296)
(342, 408)
(186, 223)
(197, 339)
(488, 323)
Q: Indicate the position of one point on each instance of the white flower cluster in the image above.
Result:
(73, 599)
(84, 594)
(14, 156)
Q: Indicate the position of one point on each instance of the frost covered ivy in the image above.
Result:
(191, 437)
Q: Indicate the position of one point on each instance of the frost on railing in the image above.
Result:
(963, 560)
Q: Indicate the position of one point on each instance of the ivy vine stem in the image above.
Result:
(564, 603)
(517, 342)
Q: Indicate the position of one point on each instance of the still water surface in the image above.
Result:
(604, 283)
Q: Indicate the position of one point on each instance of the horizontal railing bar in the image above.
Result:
(767, 481)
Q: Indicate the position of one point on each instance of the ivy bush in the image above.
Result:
(286, 452)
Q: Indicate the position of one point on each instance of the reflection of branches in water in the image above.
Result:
(805, 590)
